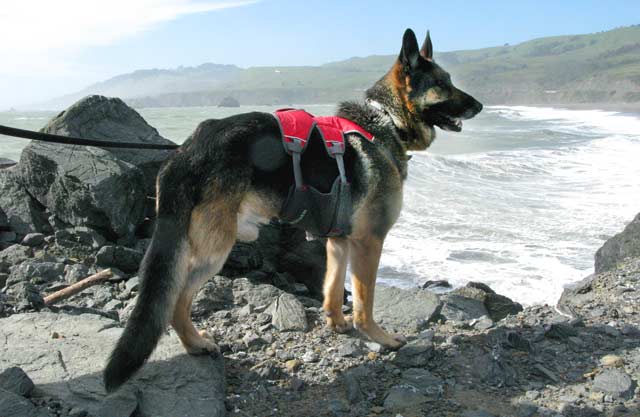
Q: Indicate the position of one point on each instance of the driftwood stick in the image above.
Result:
(78, 287)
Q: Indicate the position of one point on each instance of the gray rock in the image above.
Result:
(14, 405)
(500, 306)
(6, 163)
(352, 388)
(120, 257)
(415, 353)
(623, 245)
(461, 308)
(245, 311)
(630, 330)
(14, 380)
(494, 370)
(532, 394)
(286, 249)
(437, 284)
(374, 347)
(130, 286)
(406, 310)
(252, 340)
(80, 235)
(469, 302)
(76, 272)
(103, 188)
(258, 295)
(350, 348)
(288, 314)
(310, 357)
(213, 296)
(577, 294)
(615, 382)
(99, 117)
(27, 296)
(3, 279)
(423, 380)
(526, 409)
(545, 372)
(23, 213)
(337, 406)
(560, 331)
(36, 272)
(113, 305)
(122, 403)
(14, 255)
(70, 367)
(400, 397)
(33, 239)
(482, 323)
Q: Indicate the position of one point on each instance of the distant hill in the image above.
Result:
(602, 67)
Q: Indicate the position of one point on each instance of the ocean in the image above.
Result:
(520, 200)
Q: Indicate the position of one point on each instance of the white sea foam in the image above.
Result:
(525, 220)
(520, 199)
(568, 119)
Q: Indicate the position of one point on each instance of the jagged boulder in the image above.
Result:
(69, 367)
(476, 300)
(102, 188)
(405, 310)
(19, 212)
(621, 246)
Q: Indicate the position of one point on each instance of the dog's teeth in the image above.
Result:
(458, 123)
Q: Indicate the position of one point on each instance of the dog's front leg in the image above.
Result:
(365, 255)
(333, 289)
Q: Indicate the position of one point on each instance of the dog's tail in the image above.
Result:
(162, 274)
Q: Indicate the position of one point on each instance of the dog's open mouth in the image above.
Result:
(443, 121)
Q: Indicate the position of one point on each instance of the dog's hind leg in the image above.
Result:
(333, 288)
(212, 233)
(365, 256)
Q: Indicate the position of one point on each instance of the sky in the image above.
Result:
(50, 48)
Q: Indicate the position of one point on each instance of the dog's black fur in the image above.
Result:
(224, 161)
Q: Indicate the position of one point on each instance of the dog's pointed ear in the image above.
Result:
(409, 54)
(427, 48)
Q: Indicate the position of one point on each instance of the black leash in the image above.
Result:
(70, 140)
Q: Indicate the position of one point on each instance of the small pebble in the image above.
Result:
(613, 361)
(292, 365)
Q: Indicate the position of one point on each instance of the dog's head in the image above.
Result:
(424, 95)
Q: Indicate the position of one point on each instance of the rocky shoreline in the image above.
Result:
(470, 352)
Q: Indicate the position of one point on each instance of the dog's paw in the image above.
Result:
(340, 325)
(394, 342)
(203, 345)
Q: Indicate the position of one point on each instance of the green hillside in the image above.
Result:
(602, 67)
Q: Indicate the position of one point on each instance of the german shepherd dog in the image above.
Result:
(233, 174)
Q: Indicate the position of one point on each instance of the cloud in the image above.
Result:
(42, 35)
